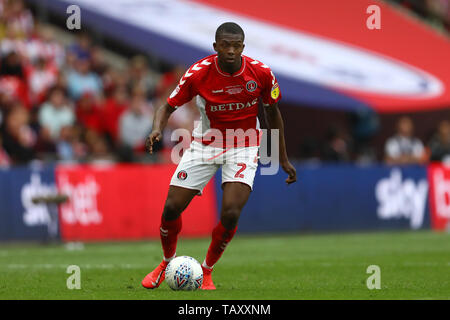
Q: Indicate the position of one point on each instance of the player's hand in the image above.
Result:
(152, 138)
(290, 170)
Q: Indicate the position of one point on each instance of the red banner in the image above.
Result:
(439, 178)
(413, 51)
(125, 202)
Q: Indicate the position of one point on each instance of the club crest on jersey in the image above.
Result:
(182, 175)
(251, 86)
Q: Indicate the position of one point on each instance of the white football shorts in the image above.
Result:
(200, 162)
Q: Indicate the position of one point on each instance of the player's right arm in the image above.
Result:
(270, 97)
(183, 93)
(159, 123)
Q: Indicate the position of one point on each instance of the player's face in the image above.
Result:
(229, 48)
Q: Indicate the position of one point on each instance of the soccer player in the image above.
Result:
(227, 87)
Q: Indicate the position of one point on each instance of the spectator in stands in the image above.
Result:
(338, 146)
(45, 144)
(2, 19)
(11, 42)
(61, 82)
(56, 113)
(2, 107)
(18, 18)
(81, 49)
(18, 137)
(82, 79)
(12, 78)
(136, 123)
(6, 103)
(111, 110)
(98, 148)
(64, 146)
(88, 113)
(98, 63)
(5, 160)
(364, 126)
(168, 81)
(11, 65)
(41, 77)
(44, 46)
(70, 146)
(41, 46)
(113, 78)
(440, 143)
(404, 148)
(140, 75)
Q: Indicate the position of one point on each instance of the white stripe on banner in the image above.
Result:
(297, 55)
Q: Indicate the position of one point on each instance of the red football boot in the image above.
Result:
(207, 280)
(156, 277)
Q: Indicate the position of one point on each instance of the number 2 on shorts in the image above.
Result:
(239, 174)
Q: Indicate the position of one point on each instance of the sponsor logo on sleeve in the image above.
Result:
(275, 92)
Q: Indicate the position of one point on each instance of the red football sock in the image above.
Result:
(168, 232)
(220, 238)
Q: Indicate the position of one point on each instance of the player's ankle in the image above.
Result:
(206, 267)
(167, 260)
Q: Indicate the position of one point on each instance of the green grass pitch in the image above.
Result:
(414, 265)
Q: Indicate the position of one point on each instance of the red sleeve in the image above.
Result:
(271, 91)
(184, 91)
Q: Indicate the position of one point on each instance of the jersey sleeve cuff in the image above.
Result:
(170, 103)
(270, 102)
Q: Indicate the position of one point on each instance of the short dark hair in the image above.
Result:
(229, 27)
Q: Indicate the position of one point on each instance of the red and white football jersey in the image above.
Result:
(226, 101)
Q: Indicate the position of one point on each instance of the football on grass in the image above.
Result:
(184, 273)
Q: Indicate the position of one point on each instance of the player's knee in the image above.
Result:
(230, 217)
(171, 210)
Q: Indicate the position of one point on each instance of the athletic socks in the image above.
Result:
(220, 239)
(168, 232)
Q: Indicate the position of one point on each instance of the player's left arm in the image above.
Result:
(275, 121)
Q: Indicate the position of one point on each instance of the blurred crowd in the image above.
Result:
(68, 103)
(401, 148)
(405, 148)
(436, 12)
(354, 143)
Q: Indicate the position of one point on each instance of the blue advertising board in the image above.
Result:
(20, 218)
(5, 217)
(337, 198)
(325, 198)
